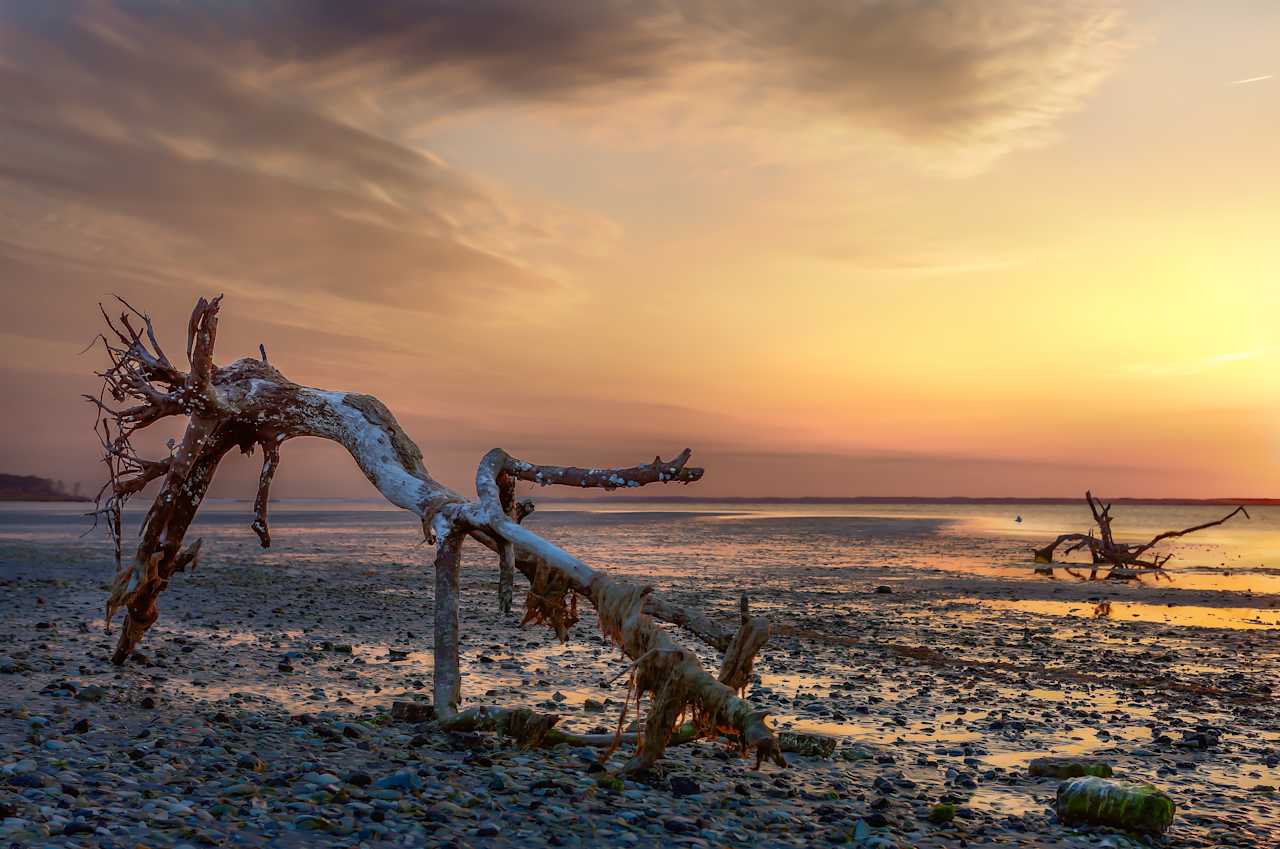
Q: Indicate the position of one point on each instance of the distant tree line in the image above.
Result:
(32, 488)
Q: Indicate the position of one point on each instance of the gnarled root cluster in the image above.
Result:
(249, 404)
(1121, 561)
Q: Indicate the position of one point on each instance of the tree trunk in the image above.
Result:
(448, 675)
(249, 403)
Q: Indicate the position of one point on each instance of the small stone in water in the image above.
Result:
(402, 780)
(682, 785)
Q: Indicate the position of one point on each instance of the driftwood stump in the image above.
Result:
(249, 404)
(1120, 560)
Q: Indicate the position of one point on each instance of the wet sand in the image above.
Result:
(246, 715)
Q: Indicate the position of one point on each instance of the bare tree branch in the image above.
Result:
(659, 471)
(1158, 538)
(270, 461)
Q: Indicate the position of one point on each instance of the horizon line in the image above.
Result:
(822, 499)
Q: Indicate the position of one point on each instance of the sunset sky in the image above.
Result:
(928, 247)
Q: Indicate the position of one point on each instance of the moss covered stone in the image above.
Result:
(1098, 801)
(1059, 767)
(611, 783)
(942, 813)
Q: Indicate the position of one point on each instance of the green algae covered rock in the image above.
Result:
(1059, 767)
(942, 813)
(1098, 801)
(610, 783)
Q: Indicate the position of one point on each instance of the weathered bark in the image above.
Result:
(448, 673)
(659, 471)
(270, 460)
(740, 656)
(1121, 560)
(507, 552)
(249, 403)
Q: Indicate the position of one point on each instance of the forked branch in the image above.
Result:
(270, 460)
(659, 471)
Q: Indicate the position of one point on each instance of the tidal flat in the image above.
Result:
(257, 711)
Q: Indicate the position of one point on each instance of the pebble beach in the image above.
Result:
(258, 711)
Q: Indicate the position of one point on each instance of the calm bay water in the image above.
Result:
(691, 538)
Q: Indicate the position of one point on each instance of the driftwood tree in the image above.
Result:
(1119, 559)
(248, 404)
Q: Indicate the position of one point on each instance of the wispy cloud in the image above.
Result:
(285, 151)
(970, 78)
(259, 144)
(1252, 79)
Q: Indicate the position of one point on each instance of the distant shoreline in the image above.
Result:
(32, 488)
(43, 499)
(690, 499)
(912, 499)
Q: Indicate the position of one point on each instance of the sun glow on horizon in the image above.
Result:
(901, 251)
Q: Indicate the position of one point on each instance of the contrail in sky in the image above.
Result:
(1252, 79)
